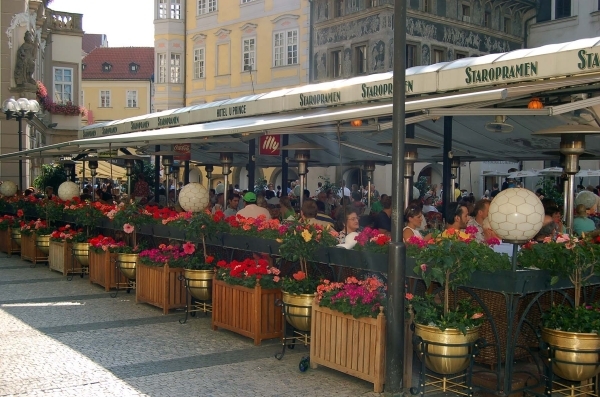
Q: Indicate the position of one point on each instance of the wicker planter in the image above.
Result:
(247, 311)
(160, 287)
(576, 356)
(7, 244)
(60, 257)
(103, 270)
(355, 346)
(30, 251)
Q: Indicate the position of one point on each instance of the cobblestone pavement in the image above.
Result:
(70, 338)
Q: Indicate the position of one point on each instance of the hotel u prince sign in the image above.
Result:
(269, 145)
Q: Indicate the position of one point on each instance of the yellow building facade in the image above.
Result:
(117, 83)
(232, 48)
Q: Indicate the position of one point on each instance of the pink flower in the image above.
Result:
(471, 230)
(276, 279)
(189, 248)
(409, 296)
(423, 267)
(476, 316)
(127, 228)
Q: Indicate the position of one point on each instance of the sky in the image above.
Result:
(126, 23)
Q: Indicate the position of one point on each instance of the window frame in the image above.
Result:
(135, 99)
(556, 9)
(199, 64)
(105, 100)
(207, 7)
(63, 84)
(284, 48)
(332, 65)
(443, 51)
(163, 12)
(246, 1)
(462, 53)
(175, 68)
(175, 9)
(355, 59)
(162, 69)
(487, 19)
(465, 16)
(416, 47)
(253, 51)
(506, 25)
(427, 6)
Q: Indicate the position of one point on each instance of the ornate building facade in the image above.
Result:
(355, 37)
(54, 35)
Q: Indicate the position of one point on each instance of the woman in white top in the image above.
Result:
(413, 217)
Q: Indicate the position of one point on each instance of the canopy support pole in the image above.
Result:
(448, 194)
(395, 316)
(157, 176)
(284, 166)
(251, 168)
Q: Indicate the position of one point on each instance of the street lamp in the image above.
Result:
(18, 109)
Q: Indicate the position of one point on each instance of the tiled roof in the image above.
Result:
(91, 41)
(106, 63)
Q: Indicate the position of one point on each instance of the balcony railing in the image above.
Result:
(65, 21)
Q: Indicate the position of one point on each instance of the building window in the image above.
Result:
(336, 63)
(338, 8)
(352, 5)
(106, 67)
(162, 9)
(175, 68)
(199, 63)
(411, 55)
(132, 99)
(248, 54)
(63, 85)
(175, 9)
(438, 56)
(466, 13)
(460, 55)
(360, 59)
(427, 6)
(562, 9)
(134, 67)
(507, 23)
(487, 19)
(247, 1)
(162, 68)
(285, 48)
(206, 6)
(104, 98)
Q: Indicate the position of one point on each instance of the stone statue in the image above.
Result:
(25, 65)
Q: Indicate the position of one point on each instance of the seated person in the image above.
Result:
(86, 194)
(581, 222)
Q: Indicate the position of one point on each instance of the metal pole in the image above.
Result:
(157, 175)
(186, 172)
(394, 357)
(448, 195)
(251, 164)
(284, 166)
(569, 205)
(20, 132)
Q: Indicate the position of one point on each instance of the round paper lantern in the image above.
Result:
(8, 188)
(516, 215)
(193, 197)
(587, 198)
(68, 190)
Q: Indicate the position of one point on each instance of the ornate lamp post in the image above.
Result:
(19, 109)
(302, 157)
(209, 170)
(129, 163)
(226, 160)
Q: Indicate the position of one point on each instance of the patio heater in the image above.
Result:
(369, 167)
(93, 164)
(302, 157)
(456, 158)
(129, 163)
(167, 162)
(572, 147)
(411, 156)
(226, 160)
(209, 170)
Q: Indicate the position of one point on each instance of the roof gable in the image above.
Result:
(119, 63)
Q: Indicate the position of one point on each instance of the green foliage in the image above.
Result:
(52, 210)
(194, 262)
(300, 283)
(328, 185)
(87, 216)
(131, 213)
(428, 312)
(548, 186)
(583, 319)
(300, 240)
(52, 175)
(147, 170)
(422, 185)
(260, 186)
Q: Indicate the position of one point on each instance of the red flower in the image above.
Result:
(20, 213)
(209, 259)
(299, 276)
(189, 248)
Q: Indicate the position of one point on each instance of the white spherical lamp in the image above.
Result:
(516, 215)
(8, 189)
(219, 189)
(68, 191)
(193, 197)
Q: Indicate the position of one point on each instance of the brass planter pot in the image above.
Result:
(581, 361)
(298, 309)
(43, 243)
(81, 253)
(451, 352)
(127, 264)
(200, 283)
(16, 236)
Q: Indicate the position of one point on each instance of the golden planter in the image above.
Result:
(81, 252)
(200, 283)
(127, 264)
(576, 355)
(298, 309)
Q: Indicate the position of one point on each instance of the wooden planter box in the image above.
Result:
(355, 346)
(30, 252)
(247, 311)
(7, 244)
(60, 257)
(103, 270)
(160, 286)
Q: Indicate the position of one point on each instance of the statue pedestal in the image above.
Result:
(28, 91)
